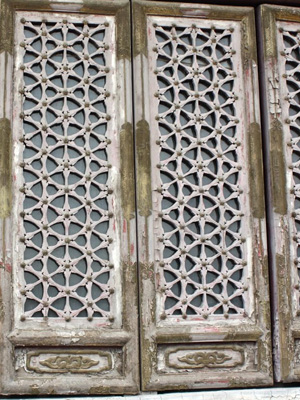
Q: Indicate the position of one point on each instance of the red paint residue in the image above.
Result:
(6, 266)
(101, 325)
(158, 279)
(260, 251)
(198, 319)
(131, 249)
(212, 328)
(124, 226)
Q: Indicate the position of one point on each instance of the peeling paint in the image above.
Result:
(123, 33)
(6, 27)
(256, 180)
(2, 312)
(248, 33)
(144, 192)
(67, 7)
(5, 168)
(127, 172)
(140, 38)
(278, 167)
(285, 316)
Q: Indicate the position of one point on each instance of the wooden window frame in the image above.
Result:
(154, 336)
(39, 340)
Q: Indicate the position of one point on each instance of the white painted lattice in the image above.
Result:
(65, 74)
(201, 248)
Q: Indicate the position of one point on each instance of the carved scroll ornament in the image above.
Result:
(69, 363)
(205, 359)
(75, 361)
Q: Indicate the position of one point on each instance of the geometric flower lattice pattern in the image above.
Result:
(66, 229)
(202, 265)
(290, 55)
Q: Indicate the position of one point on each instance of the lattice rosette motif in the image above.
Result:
(290, 69)
(67, 232)
(202, 255)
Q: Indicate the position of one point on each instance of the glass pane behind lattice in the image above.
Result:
(202, 252)
(67, 231)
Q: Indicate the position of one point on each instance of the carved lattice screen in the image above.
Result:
(68, 167)
(201, 186)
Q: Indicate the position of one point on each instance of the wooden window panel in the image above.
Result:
(68, 325)
(200, 327)
(281, 65)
